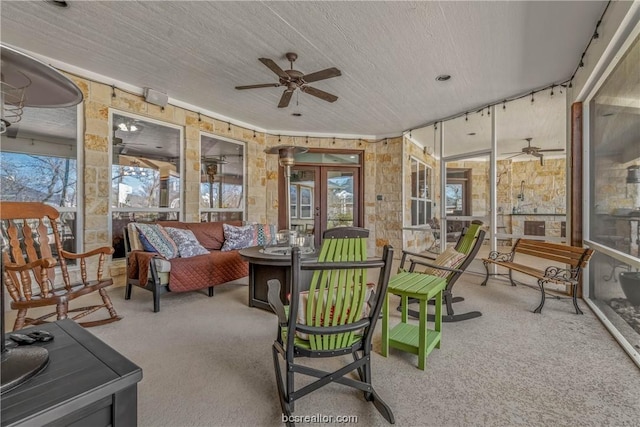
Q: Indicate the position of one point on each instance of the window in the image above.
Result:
(613, 205)
(221, 179)
(39, 163)
(145, 173)
(421, 191)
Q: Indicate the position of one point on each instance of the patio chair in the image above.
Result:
(469, 244)
(28, 257)
(335, 317)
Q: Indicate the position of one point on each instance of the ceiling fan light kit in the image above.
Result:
(294, 79)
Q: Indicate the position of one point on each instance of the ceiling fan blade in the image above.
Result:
(286, 97)
(540, 156)
(275, 68)
(258, 86)
(515, 155)
(513, 152)
(321, 75)
(551, 149)
(319, 93)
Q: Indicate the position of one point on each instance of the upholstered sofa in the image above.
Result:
(154, 272)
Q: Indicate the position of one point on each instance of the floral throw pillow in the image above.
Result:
(187, 242)
(154, 238)
(237, 237)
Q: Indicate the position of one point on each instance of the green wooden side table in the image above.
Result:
(416, 339)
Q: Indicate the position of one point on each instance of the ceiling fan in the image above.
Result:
(294, 79)
(533, 151)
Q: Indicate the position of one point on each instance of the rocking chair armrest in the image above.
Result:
(337, 329)
(107, 250)
(42, 262)
(273, 297)
(419, 255)
(437, 267)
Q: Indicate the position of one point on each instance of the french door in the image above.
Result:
(323, 197)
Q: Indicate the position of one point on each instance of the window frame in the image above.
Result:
(180, 166)
(427, 199)
(243, 202)
(78, 210)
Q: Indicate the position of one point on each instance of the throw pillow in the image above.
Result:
(449, 258)
(264, 234)
(237, 237)
(154, 238)
(187, 243)
(303, 298)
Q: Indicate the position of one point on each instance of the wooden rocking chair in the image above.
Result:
(28, 257)
(333, 318)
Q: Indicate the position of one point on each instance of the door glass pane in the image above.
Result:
(340, 199)
(303, 203)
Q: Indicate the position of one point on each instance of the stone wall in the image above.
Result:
(262, 169)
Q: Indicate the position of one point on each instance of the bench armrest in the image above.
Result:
(501, 256)
(569, 275)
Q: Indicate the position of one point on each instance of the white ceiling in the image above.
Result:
(389, 54)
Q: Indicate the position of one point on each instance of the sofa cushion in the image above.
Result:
(154, 238)
(237, 237)
(186, 241)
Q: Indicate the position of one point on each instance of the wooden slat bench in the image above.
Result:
(569, 260)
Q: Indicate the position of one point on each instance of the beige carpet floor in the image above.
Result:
(207, 362)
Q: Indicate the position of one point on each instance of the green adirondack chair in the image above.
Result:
(469, 244)
(336, 316)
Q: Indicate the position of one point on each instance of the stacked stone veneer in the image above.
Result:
(383, 218)
(610, 185)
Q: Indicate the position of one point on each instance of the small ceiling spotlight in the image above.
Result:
(443, 77)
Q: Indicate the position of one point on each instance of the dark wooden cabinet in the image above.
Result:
(86, 383)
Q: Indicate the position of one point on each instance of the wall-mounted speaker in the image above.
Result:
(155, 97)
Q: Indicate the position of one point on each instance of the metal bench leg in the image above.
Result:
(486, 278)
(574, 289)
(541, 284)
(511, 278)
